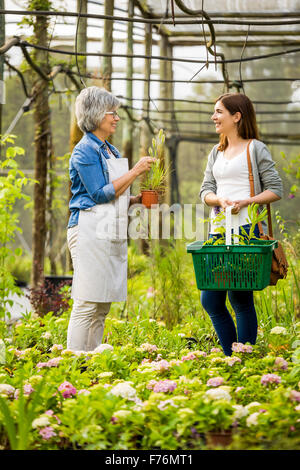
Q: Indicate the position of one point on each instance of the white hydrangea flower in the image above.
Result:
(217, 394)
(40, 422)
(105, 375)
(148, 347)
(103, 347)
(279, 330)
(67, 352)
(185, 412)
(46, 335)
(253, 403)
(57, 347)
(122, 414)
(79, 353)
(240, 411)
(252, 419)
(124, 390)
(6, 389)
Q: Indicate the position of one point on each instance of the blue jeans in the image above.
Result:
(243, 305)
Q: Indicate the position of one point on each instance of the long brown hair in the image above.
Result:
(247, 126)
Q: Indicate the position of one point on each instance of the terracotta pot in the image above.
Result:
(149, 198)
(218, 439)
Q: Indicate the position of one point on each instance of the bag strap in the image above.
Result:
(252, 193)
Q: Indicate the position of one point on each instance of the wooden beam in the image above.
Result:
(228, 43)
(238, 32)
(106, 65)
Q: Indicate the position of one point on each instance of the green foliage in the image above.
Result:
(157, 176)
(11, 189)
(292, 169)
(143, 353)
(254, 216)
(18, 419)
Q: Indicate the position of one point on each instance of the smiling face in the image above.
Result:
(225, 122)
(108, 124)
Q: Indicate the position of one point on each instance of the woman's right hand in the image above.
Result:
(143, 165)
(224, 202)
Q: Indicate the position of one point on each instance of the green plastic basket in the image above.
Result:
(232, 267)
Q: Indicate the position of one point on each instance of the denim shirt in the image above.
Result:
(89, 175)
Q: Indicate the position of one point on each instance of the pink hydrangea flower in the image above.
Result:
(164, 386)
(144, 361)
(200, 353)
(67, 389)
(51, 363)
(163, 404)
(189, 357)
(40, 365)
(215, 382)
(54, 361)
(232, 360)
(280, 363)
(151, 384)
(47, 433)
(270, 379)
(240, 347)
(215, 350)
(175, 362)
(163, 365)
(51, 413)
(57, 347)
(149, 347)
(28, 389)
(294, 395)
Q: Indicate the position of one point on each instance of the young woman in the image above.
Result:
(97, 228)
(226, 183)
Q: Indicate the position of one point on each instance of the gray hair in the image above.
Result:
(91, 105)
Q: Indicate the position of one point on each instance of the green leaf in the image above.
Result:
(18, 251)
(9, 424)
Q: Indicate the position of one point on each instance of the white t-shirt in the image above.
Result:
(232, 178)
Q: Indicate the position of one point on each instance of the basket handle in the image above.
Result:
(232, 221)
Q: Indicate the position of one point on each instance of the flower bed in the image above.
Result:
(151, 393)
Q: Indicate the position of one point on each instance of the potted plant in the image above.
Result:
(215, 416)
(155, 181)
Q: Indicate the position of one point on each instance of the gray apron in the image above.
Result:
(100, 271)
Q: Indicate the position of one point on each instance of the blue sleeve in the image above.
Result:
(91, 175)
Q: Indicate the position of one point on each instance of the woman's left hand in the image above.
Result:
(238, 205)
(135, 199)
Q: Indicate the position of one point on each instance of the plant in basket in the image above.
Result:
(220, 264)
(155, 181)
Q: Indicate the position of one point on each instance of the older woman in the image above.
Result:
(97, 228)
